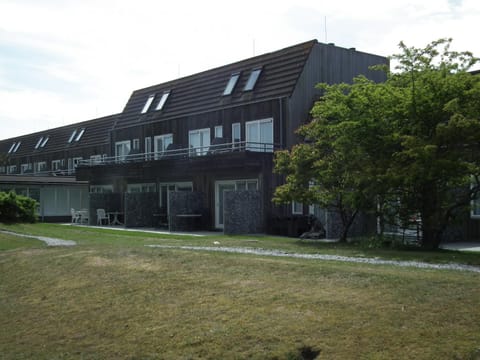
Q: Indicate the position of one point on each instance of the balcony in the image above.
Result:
(173, 153)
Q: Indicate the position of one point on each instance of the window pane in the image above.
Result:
(163, 99)
(148, 103)
(252, 80)
(231, 84)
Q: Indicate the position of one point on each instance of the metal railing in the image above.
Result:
(183, 153)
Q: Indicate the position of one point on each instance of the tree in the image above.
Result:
(409, 144)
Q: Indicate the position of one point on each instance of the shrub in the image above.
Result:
(17, 208)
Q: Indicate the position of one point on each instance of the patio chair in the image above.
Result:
(75, 216)
(101, 215)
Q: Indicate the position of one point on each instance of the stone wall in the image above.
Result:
(187, 211)
(139, 209)
(242, 212)
(109, 201)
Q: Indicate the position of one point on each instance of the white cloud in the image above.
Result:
(63, 61)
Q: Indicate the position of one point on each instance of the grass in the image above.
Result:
(111, 297)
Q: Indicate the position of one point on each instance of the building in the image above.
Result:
(198, 151)
(42, 165)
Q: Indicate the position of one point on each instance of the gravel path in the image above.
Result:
(47, 240)
(278, 253)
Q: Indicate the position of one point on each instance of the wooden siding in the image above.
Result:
(181, 126)
(326, 64)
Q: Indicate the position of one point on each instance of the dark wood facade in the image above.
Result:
(284, 93)
(274, 90)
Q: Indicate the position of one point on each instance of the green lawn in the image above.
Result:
(111, 297)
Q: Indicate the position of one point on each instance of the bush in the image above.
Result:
(17, 208)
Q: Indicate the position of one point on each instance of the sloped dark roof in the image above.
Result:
(203, 92)
(96, 133)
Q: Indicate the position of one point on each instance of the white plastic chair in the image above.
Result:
(75, 216)
(101, 215)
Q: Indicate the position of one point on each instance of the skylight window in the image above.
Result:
(231, 83)
(252, 80)
(39, 142)
(80, 134)
(72, 136)
(17, 146)
(148, 103)
(163, 99)
(11, 147)
(44, 142)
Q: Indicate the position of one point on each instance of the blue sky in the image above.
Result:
(64, 61)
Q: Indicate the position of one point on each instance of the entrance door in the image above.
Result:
(220, 188)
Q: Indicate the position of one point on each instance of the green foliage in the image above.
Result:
(400, 148)
(17, 208)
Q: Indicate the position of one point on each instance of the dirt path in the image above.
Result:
(49, 241)
(279, 253)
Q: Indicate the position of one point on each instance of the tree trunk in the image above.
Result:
(347, 222)
(431, 238)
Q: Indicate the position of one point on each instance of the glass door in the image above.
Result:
(220, 188)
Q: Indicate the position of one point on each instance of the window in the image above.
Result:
(57, 165)
(141, 188)
(297, 208)
(12, 169)
(259, 135)
(162, 100)
(136, 144)
(101, 189)
(25, 168)
(199, 141)
(160, 144)
(39, 142)
(17, 146)
(44, 142)
(76, 161)
(219, 131)
(2, 169)
(252, 79)
(148, 103)
(72, 136)
(40, 166)
(11, 148)
(80, 134)
(122, 149)
(236, 133)
(231, 84)
(148, 148)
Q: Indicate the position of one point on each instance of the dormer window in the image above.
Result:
(44, 142)
(11, 148)
(39, 142)
(163, 99)
(148, 103)
(252, 80)
(17, 146)
(72, 136)
(231, 83)
(80, 134)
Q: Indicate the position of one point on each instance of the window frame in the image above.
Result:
(160, 152)
(232, 82)
(252, 79)
(148, 103)
(163, 100)
(203, 148)
(269, 146)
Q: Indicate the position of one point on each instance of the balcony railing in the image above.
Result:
(183, 153)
